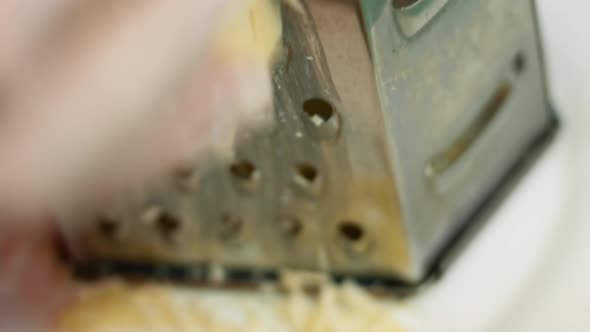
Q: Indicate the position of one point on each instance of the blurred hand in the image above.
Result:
(96, 96)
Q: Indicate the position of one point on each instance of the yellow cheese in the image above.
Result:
(255, 29)
(158, 308)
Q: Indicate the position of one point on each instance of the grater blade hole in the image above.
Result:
(184, 172)
(519, 63)
(318, 110)
(168, 224)
(108, 227)
(183, 176)
(399, 4)
(307, 173)
(244, 170)
(292, 227)
(231, 227)
(351, 231)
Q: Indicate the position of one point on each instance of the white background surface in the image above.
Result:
(529, 270)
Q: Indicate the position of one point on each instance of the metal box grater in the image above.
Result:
(397, 122)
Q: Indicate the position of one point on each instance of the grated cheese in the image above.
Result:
(160, 308)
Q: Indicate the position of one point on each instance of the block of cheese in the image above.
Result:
(253, 28)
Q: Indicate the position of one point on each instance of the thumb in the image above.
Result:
(33, 285)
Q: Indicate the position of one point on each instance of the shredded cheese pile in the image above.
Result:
(159, 308)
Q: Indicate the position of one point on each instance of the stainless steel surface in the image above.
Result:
(435, 86)
(394, 120)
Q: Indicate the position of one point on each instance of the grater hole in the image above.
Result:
(307, 173)
(244, 170)
(231, 227)
(318, 110)
(519, 63)
(352, 231)
(292, 227)
(108, 227)
(182, 177)
(184, 172)
(398, 4)
(168, 224)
